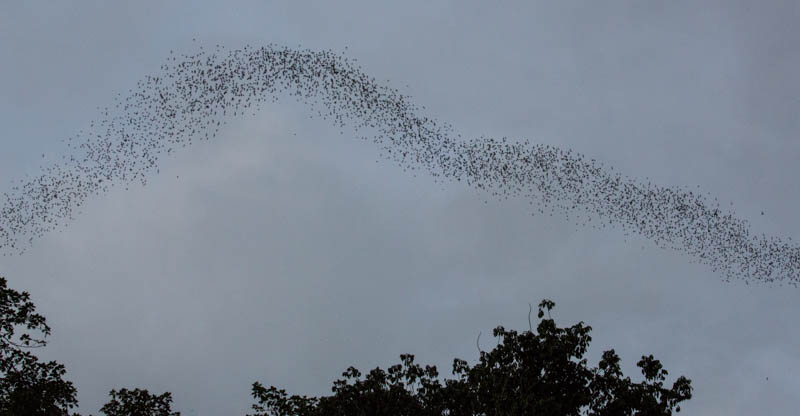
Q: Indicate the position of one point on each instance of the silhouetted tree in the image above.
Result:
(540, 373)
(138, 403)
(28, 386)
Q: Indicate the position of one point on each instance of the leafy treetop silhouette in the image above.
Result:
(27, 386)
(138, 403)
(542, 373)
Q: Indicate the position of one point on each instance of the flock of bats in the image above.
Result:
(195, 94)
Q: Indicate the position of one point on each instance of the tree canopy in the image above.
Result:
(528, 373)
(542, 373)
(138, 402)
(28, 386)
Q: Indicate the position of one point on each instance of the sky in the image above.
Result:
(283, 252)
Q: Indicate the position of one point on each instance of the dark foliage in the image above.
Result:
(28, 386)
(540, 373)
(138, 403)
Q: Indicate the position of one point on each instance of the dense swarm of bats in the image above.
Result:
(195, 94)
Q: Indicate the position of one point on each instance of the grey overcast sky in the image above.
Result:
(281, 252)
